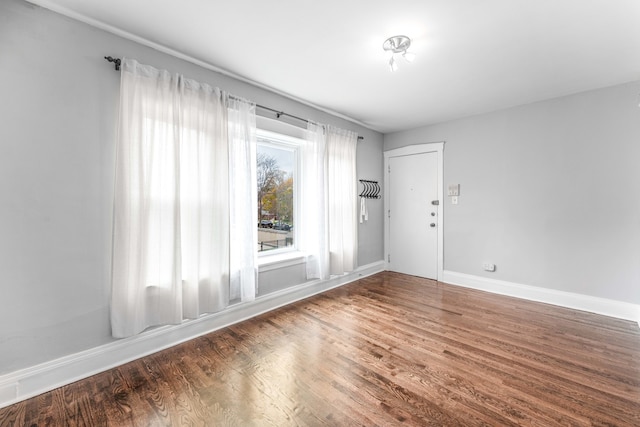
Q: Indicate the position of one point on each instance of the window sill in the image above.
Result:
(276, 261)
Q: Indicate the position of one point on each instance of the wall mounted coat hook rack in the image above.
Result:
(371, 189)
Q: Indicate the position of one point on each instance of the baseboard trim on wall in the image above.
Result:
(29, 382)
(606, 307)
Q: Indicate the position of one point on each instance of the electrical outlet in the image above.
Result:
(489, 267)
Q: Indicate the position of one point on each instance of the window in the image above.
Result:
(277, 188)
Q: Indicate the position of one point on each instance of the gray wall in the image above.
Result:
(58, 117)
(548, 192)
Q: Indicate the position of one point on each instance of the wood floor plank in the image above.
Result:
(386, 350)
(416, 370)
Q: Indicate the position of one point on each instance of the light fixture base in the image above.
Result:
(397, 44)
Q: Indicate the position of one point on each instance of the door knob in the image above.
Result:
(432, 224)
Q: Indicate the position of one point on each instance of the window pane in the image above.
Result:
(275, 175)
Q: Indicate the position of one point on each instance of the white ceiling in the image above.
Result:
(472, 56)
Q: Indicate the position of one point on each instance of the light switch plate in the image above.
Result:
(454, 189)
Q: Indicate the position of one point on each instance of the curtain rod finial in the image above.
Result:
(116, 61)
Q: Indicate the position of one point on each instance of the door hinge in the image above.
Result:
(389, 258)
(389, 213)
(389, 168)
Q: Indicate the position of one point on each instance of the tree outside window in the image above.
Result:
(276, 195)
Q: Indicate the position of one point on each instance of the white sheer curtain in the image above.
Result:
(312, 221)
(244, 200)
(171, 241)
(328, 220)
(342, 199)
(203, 199)
(146, 235)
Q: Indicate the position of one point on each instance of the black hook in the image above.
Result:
(370, 190)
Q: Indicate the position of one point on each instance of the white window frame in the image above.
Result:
(293, 144)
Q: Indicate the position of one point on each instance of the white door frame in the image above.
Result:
(437, 147)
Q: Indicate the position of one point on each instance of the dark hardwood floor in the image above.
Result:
(386, 350)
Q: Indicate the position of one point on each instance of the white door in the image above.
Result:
(413, 214)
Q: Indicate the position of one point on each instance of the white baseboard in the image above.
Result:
(29, 382)
(607, 307)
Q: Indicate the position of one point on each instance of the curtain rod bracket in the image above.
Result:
(116, 61)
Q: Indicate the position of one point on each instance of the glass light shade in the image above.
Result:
(393, 64)
(409, 56)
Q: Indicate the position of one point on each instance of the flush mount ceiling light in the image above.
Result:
(398, 45)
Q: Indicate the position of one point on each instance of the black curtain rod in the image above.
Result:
(282, 113)
(116, 62)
